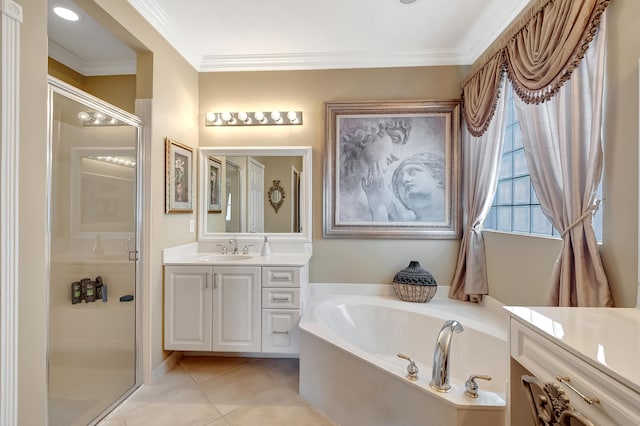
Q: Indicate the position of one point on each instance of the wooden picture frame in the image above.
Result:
(178, 177)
(391, 169)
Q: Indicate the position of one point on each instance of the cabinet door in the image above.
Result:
(236, 301)
(187, 307)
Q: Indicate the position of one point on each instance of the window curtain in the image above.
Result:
(541, 51)
(481, 157)
(563, 149)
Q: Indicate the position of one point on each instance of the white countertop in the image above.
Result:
(202, 255)
(280, 259)
(606, 338)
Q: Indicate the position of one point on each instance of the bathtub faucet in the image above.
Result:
(440, 375)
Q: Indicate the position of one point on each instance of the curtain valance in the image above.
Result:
(539, 52)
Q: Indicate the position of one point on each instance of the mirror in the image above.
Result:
(261, 190)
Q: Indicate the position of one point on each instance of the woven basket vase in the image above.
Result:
(414, 284)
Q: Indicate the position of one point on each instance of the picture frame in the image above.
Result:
(214, 189)
(391, 169)
(178, 177)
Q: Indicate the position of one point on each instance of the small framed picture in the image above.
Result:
(178, 177)
(213, 185)
(391, 170)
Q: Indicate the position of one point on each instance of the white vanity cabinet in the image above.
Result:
(586, 352)
(212, 308)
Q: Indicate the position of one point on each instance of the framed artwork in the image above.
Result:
(214, 168)
(391, 169)
(178, 177)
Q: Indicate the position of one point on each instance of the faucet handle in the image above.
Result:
(224, 248)
(471, 387)
(412, 368)
(245, 249)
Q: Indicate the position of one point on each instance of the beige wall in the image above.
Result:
(118, 90)
(508, 256)
(174, 115)
(32, 272)
(334, 260)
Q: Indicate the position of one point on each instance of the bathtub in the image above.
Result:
(350, 370)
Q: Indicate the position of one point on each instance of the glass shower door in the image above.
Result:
(92, 282)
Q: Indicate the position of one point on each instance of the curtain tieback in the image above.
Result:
(586, 214)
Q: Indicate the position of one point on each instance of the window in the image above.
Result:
(515, 207)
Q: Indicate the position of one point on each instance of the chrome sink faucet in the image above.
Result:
(440, 374)
(234, 245)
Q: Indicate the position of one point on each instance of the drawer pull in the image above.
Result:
(589, 400)
(280, 332)
(276, 277)
(281, 299)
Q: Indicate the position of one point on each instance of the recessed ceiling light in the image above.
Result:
(65, 13)
(407, 1)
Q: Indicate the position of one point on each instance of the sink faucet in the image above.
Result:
(440, 374)
(234, 245)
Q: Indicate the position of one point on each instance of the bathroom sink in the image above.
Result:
(224, 257)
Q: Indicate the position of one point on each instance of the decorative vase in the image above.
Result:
(414, 284)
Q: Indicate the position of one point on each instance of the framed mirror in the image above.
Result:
(248, 193)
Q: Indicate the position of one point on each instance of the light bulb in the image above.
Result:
(275, 116)
(226, 116)
(244, 117)
(259, 115)
(84, 116)
(210, 117)
(292, 116)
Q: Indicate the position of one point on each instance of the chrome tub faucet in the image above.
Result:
(440, 374)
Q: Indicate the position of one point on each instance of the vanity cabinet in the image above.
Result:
(212, 308)
(233, 308)
(592, 390)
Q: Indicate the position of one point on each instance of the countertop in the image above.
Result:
(275, 259)
(606, 338)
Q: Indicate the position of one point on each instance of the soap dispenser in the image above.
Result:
(266, 250)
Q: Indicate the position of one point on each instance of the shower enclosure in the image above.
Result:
(93, 231)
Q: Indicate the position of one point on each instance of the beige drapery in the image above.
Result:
(539, 51)
(563, 148)
(481, 160)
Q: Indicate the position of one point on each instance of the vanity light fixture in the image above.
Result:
(257, 118)
(94, 118)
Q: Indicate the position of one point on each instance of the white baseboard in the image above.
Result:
(166, 366)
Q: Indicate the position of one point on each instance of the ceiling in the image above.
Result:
(242, 35)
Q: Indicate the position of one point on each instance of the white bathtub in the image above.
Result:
(350, 370)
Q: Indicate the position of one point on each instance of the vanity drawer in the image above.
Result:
(281, 298)
(280, 276)
(280, 333)
(547, 360)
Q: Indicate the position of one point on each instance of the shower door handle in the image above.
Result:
(133, 255)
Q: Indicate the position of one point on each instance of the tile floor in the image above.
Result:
(217, 391)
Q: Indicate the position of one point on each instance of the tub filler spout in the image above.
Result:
(440, 375)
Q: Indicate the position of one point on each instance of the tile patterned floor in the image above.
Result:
(220, 391)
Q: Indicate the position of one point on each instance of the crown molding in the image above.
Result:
(326, 60)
